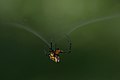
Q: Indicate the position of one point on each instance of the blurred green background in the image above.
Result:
(95, 47)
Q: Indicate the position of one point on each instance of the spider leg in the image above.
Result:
(55, 46)
(69, 45)
(45, 52)
(51, 45)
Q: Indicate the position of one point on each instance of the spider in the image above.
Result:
(54, 53)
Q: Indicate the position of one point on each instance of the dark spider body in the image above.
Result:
(54, 53)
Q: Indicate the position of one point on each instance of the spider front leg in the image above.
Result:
(69, 46)
(45, 52)
(51, 46)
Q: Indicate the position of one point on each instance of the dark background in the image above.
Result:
(95, 47)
